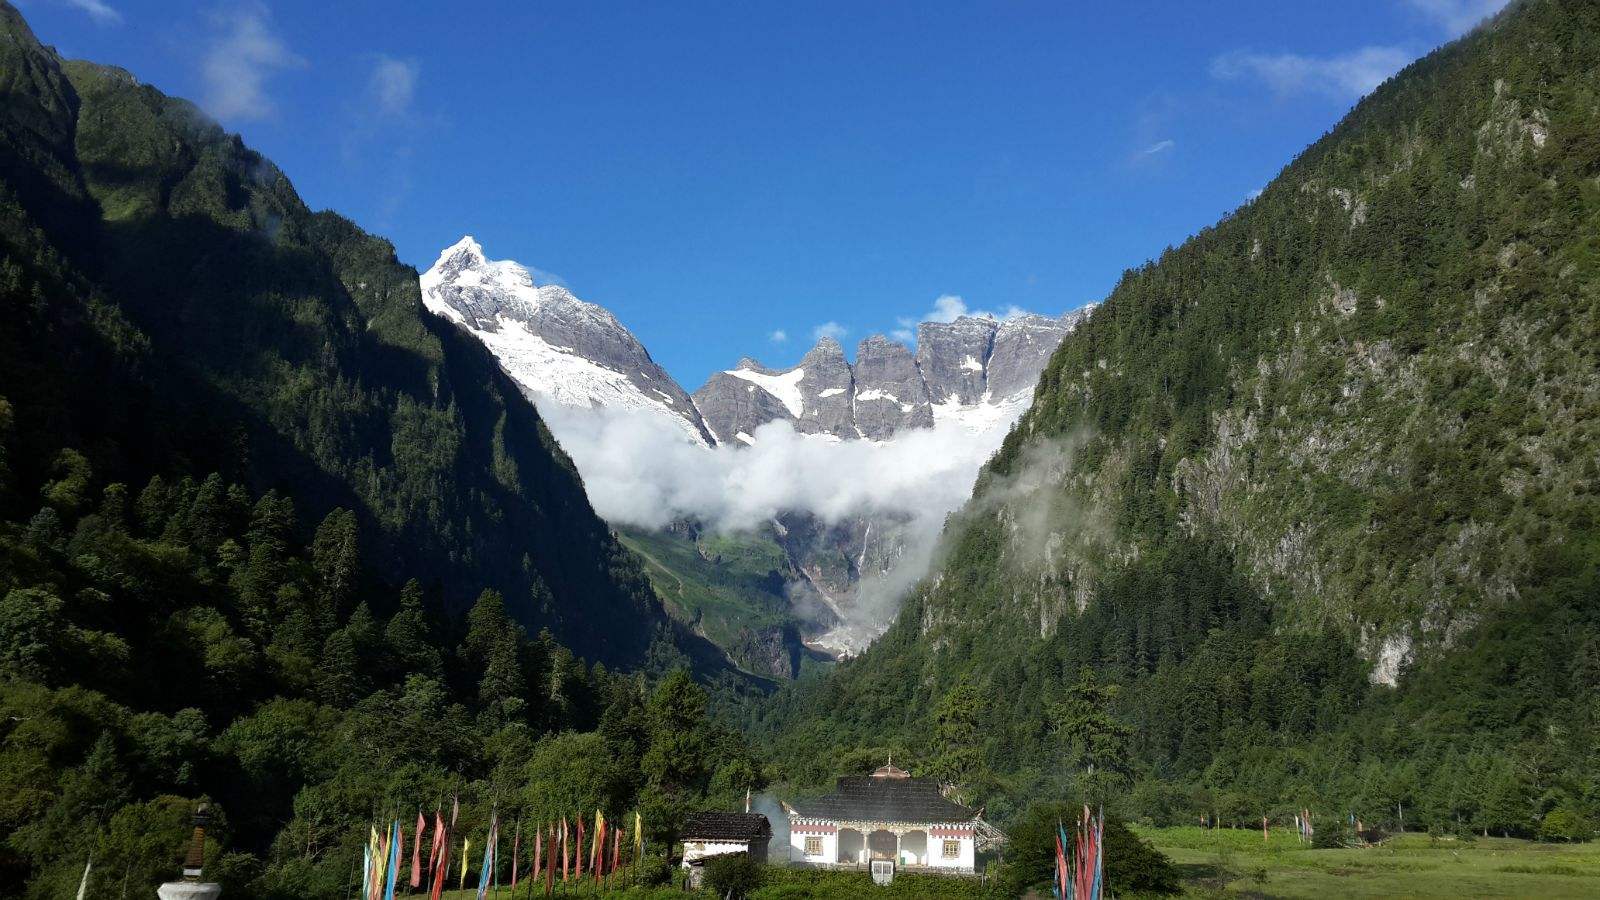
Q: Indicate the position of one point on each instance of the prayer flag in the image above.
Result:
(538, 852)
(397, 839)
(416, 852)
(516, 851)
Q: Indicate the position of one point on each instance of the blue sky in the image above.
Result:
(719, 174)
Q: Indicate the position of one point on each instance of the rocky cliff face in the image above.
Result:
(890, 383)
(962, 371)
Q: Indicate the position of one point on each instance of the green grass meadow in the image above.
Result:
(1229, 862)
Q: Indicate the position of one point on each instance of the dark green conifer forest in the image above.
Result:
(1355, 423)
(273, 537)
(1305, 516)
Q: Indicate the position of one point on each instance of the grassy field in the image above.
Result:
(1227, 862)
(1230, 863)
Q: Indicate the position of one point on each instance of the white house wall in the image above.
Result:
(932, 856)
(693, 850)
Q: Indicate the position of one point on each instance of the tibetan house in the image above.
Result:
(887, 815)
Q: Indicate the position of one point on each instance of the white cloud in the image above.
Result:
(778, 336)
(243, 56)
(829, 329)
(1251, 197)
(639, 469)
(98, 10)
(1346, 76)
(1457, 17)
(1158, 147)
(393, 84)
(950, 307)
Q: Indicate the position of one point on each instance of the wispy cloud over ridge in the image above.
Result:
(1346, 75)
(393, 85)
(245, 53)
(1457, 17)
(829, 329)
(98, 10)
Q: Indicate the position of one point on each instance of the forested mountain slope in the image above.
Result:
(172, 307)
(1346, 438)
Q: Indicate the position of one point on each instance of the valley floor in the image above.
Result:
(1237, 863)
(1229, 862)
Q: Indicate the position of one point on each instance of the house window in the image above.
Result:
(813, 846)
(952, 849)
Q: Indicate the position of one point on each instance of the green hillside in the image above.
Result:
(274, 538)
(1345, 437)
(172, 307)
(731, 590)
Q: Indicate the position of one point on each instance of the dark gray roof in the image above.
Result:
(865, 798)
(726, 826)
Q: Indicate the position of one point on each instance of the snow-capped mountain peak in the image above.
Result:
(555, 346)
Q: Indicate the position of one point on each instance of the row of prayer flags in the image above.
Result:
(1080, 862)
(383, 856)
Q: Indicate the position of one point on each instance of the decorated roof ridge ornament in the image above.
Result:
(890, 771)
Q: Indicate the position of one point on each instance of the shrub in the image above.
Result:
(734, 875)
(1131, 865)
(1332, 836)
(1565, 824)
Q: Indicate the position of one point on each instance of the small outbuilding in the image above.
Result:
(709, 834)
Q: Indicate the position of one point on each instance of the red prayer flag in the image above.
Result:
(566, 865)
(550, 867)
(416, 852)
(433, 845)
(441, 837)
(578, 851)
(516, 852)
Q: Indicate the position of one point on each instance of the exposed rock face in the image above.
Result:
(1022, 346)
(969, 370)
(554, 345)
(891, 394)
(952, 356)
(826, 391)
(733, 407)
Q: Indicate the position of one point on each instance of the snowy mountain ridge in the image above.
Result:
(974, 371)
(554, 345)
